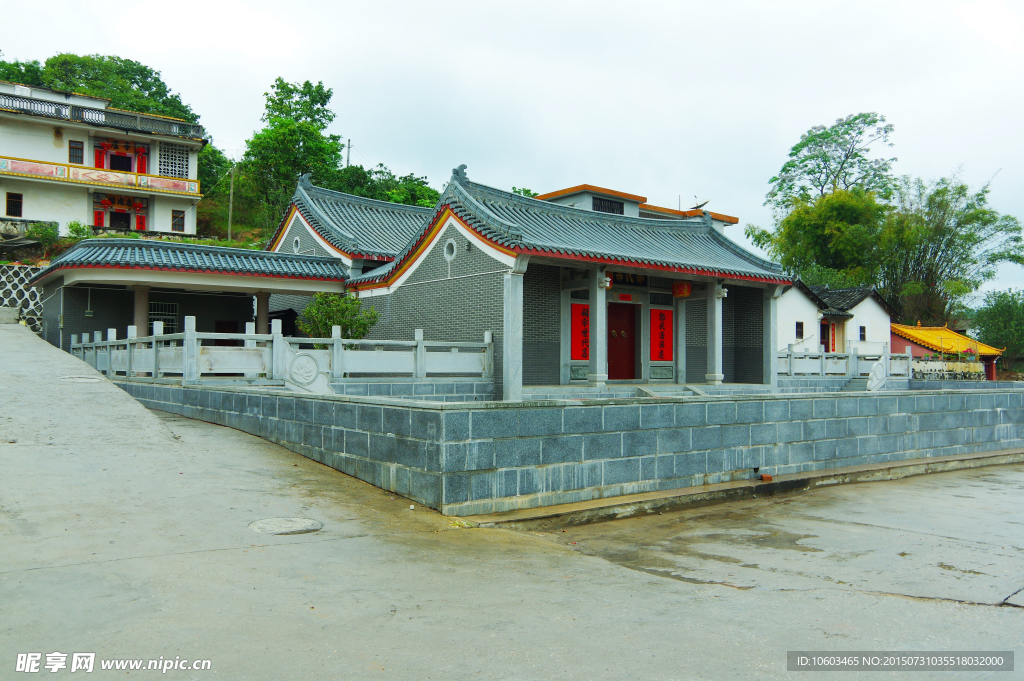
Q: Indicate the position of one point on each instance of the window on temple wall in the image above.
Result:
(173, 160)
(177, 221)
(13, 205)
(863, 333)
(799, 330)
(76, 152)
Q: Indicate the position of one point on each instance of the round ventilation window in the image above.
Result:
(295, 245)
(450, 249)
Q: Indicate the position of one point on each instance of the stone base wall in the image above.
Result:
(439, 390)
(467, 459)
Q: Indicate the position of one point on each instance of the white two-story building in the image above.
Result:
(67, 156)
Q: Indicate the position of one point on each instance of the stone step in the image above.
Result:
(855, 385)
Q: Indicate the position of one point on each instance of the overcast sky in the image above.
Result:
(662, 99)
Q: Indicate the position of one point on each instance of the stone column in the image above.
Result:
(714, 375)
(770, 315)
(262, 312)
(512, 336)
(142, 309)
(598, 328)
(680, 340)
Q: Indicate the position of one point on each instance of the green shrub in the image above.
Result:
(76, 230)
(46, 233)
(337, 309)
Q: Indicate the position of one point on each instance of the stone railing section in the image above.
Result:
(98, 176)
(304, 364)
(124, 120)
(851, 364)
(466, 459)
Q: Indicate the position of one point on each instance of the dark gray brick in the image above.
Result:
(621, 418)
(736, 436)
(776, 410)
(708, 437)
(582, 419)
(721, 412)
(602, 446)
(618, 471)
(764, 433)
(533, 422)
(801, 409)
(397, 421)
(456, 425)
(657, 416)
(639, 443)
(750, 411)
(489, 423)
(561, 449)
(824, 408)
(517, 452)
(847, 406)
(370, 419)
(694, 414)
(673, 440)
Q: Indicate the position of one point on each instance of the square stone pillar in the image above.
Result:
(142, 309)
(598, 307)
(770, 316)
(716, 293)
(512, 337)
(262, 312)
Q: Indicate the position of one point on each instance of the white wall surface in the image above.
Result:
(160, 208)
(60, 203)
(870, 314)
(795, 306)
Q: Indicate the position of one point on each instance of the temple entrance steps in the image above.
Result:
(855, 385)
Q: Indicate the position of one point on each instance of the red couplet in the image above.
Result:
(580, 331)
(661, 335)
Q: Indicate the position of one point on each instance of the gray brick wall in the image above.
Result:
(696, 340)
(451, 301)
(307, 244)
(742, 333)
(542, 330)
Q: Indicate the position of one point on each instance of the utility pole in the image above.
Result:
(348, 153)
(231, 199)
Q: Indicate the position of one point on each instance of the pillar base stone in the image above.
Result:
(714, 379)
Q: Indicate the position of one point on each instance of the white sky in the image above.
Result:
(660, 99)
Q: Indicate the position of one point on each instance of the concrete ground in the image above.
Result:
(126, 533)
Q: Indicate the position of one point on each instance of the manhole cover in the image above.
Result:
(285, 525)
(81, 379)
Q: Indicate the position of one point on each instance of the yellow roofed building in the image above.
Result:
(928, 340)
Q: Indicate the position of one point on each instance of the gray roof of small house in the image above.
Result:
(845, 299)
(355, 224)
(549, 229)
(175, 256)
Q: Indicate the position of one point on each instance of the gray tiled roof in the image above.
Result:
(563, 232)
(356, 224)
(845, 299)
(174, 256)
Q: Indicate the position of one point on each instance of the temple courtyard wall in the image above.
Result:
(473, 458)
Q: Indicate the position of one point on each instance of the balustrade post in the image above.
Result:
(158, 330)
(420, 367)
(488, 355)
(74, 342)
(824, 354)
(337, 353)
(250, 329)
(133, 333)
(790, 354)
(111, 337)
(190, 353)
(278, 351)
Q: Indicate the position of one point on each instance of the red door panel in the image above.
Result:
(621, 341)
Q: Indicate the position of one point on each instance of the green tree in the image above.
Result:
(382, 184)
(24, 72)
(836, 157)
(830, 238)
(999, 322)
(336, 309)
(523, 191)
(213, 166)
(939, 244)
(303, 103)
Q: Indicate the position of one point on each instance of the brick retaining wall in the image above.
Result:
(472, 458)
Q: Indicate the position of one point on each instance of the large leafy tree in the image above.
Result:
(830, 239)
(999, 322)
(834, 157)
(382, 184)
(306, 103)
(940, 242)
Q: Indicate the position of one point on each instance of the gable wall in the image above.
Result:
(795, 306)
(455, 300)
(307, 244)
(870, 314)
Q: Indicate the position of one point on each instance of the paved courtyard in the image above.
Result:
(125, 532)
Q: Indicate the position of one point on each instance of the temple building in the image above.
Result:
(585, 286)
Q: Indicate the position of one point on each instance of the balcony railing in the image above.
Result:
(61, 172)
(122, 120)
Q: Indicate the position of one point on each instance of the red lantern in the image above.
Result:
(138, 207)
(106, 146)
(106, 203)
(141, 151)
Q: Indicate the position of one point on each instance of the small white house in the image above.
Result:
(66, 156)
(812, 318)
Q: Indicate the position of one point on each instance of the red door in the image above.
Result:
(621, 341)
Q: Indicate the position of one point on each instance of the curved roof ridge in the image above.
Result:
(744, 253)
(355, 198)
(456, 187)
